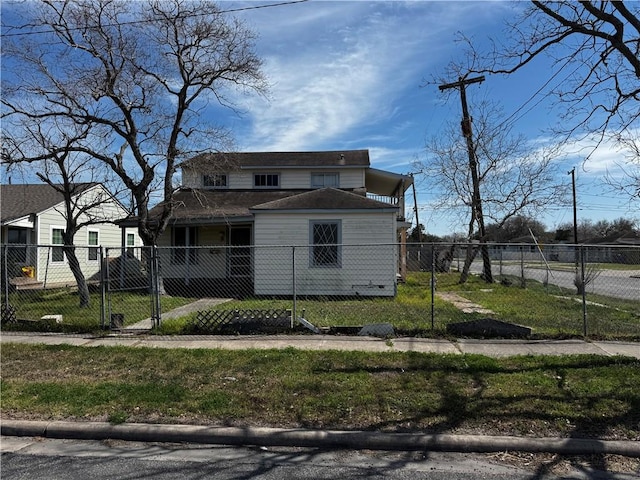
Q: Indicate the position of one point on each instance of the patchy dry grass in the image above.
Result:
(587, 396)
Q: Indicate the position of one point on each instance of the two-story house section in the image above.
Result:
(241, 209)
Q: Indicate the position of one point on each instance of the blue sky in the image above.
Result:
(356, 74)
(360, 75)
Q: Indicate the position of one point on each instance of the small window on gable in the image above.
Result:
(266, 180)
(218, 180)
(323, 180)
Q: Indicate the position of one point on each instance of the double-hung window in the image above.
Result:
(92, 241)
(57, 253)
(131, 242)
(325, 238)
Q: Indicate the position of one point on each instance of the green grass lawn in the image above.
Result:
(34, 304)
(549, 311)
(568, 396)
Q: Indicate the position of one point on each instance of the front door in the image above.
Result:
(240, 253)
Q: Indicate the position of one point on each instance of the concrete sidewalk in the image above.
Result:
(323, 438)
(491, 348)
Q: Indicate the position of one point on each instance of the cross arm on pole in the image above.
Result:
(461, 83)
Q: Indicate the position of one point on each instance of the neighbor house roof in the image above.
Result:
(280, 160)
(21, 200)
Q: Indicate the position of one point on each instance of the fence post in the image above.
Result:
(584, 292)
(154, 271)
(433, 285)
(523, 281)
(5, 275)
(103, 304)
(295, 297)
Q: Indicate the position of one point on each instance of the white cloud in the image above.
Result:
(599, 158)
(337, 67)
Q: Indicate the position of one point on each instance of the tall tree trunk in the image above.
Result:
(487, 274)
(81, 281)
(472, 251)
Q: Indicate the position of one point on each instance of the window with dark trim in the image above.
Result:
(325, 238)
(218, 180)
(266, 180)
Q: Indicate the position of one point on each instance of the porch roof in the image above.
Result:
(195, 206)
(217, 206)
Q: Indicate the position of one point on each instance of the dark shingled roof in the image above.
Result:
(342, 158)
(20, 200)
(207, 206)
(325, 199)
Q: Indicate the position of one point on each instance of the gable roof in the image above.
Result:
(21, 200)
(325, 159)
(325, 199)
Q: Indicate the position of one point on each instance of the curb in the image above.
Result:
(357, 440)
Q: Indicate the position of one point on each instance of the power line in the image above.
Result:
(537, 92)
(136, 22)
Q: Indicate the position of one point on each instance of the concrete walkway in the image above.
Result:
(201, 304)
(491, 348)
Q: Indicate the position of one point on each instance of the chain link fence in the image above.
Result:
(554, 290)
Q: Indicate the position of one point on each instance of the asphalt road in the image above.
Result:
(28, 458)
(623, 284)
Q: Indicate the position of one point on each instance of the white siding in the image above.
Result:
(191, 178)
(368, 269)
(109, 235)
(293, 179)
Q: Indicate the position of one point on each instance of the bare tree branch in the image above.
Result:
(139, 88)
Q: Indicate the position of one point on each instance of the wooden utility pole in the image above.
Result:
(476, 201)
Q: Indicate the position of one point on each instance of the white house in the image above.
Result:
(241, 214)
(33, 221)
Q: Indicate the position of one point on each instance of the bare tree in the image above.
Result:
(74, 176)
(515, 177)
(595, 49)
(141, 79)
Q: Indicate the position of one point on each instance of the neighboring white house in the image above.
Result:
(243, 209)
(33, 221)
